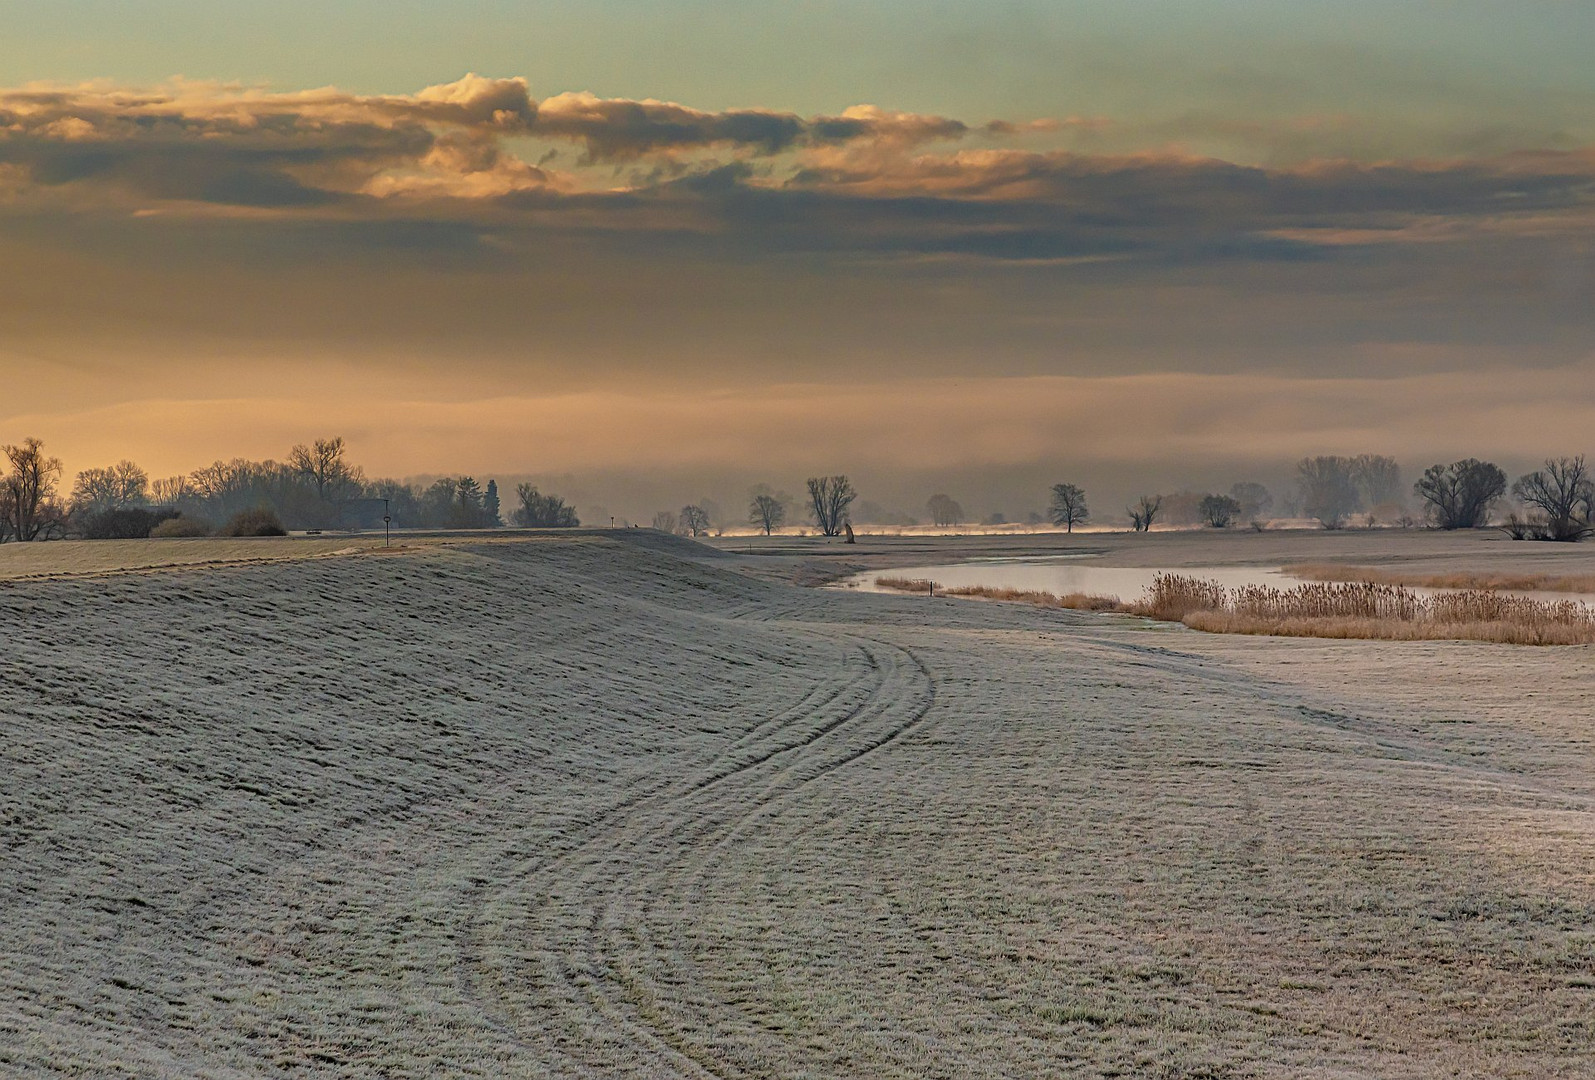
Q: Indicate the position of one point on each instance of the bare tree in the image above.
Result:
(694, 520)
(829, 499)
(1144, 512)
(767, 512)
(1460, 495)
(1068, 506)
(28, 488)
(944, 510)
(1563, 492)
(1378, 482)
(321, 464)
(118, 487)
(1254, 499)
(1328, 489)
(665, 521)
(171, 490)
(539, 511)
(1220, 511)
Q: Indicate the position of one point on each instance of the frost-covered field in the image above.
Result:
(587, 808)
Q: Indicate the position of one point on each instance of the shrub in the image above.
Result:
(261, 521)
(182, 526)
(121, 523)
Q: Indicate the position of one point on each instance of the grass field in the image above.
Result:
(599, 807)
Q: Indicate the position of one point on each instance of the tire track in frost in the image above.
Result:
(834, 700)
(685, 881)
(603, 1014)
(623, 997)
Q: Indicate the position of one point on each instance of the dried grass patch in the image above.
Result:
(1357, 609)
(1070, 601)
(1569, 583)
(1362, 609)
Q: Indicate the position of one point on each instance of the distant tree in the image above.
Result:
(1564, 494)
(539, 511)
(490, 506)
(1460, 495)
(1068, 506)
(401, 501)
(466, 512)
(1220, 511)
(1378, 482)
(322, 465)
(666, 522)
(829, 499)
(694, 520)
(944, 511)
(1328, 489)
(767, 512)
(1254, 499)
(28, 489)
(437, 504)
(171, 491)
(119, 487)
(1145, 512)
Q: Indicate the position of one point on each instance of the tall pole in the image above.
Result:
(386, 519)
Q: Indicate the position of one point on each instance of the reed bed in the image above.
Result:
(1354, 609)
(1365, 609)
(904, 584)
(1567, 583)
(1071, 601)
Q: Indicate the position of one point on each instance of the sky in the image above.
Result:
(663, 251)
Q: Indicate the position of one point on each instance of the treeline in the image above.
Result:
(829, 506)
(1554, 502)
(315, 488)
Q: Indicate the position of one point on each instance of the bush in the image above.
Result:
(261, 521)
(124, 523)
(182, 526)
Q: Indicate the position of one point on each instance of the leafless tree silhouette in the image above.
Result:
(829, 499)
(1068, 506)
(944, 510)
(1460, 495)
(1144, 512)
(28, 490)
(1563, 492)
(767, 512)
(694, 520)
(1219, 511)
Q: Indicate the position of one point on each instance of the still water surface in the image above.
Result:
(1125, 583)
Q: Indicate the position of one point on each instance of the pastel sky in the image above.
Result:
(658, 250)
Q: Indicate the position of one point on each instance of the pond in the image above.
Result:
(1059, 576)
(1068, 574)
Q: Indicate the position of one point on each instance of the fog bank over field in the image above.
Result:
(996, 444)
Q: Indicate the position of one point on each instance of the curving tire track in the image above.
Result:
(558, 959)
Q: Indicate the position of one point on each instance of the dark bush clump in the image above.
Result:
(261, 521)
(182, 526)
(124, 523)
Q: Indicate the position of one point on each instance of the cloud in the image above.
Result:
(868, 182)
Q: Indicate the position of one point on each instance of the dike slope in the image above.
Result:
(586, 807)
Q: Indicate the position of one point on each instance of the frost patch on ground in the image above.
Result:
(587, 809)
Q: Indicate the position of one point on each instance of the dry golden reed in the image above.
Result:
(1072, 601)
(1354, 609)
(1567, 583)
(1367, 609)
